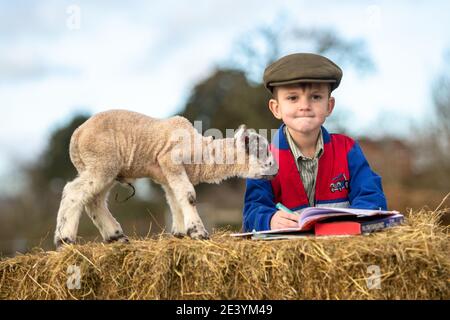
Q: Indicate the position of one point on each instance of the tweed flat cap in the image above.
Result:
(302, 67)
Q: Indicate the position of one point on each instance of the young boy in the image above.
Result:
(315, 168)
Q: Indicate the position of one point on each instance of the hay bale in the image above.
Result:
(413, 260)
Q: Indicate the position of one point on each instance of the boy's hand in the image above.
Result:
(282, 219)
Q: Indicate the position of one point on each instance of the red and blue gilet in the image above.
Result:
(344, 179)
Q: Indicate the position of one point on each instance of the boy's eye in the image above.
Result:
(316, 97)
(292, 98)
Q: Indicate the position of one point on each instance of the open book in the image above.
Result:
(328, 220)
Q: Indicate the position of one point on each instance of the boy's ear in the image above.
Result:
(331, 103)
(274, 107)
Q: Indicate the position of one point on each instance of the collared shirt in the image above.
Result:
(307, 167)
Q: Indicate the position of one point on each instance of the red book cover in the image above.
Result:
(325, 228)
(337, 228)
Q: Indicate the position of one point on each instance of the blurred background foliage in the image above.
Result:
(416, 171)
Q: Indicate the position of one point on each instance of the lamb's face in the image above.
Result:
(262, 164)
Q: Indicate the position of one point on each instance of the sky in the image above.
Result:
(58, 58)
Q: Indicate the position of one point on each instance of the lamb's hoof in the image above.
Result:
(178, 234)
(59, 243)
(118, 238)
(197, 233)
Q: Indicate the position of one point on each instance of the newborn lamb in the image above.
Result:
(121, 146)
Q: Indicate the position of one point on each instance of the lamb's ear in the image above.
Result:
(240, 133)
(242, 136)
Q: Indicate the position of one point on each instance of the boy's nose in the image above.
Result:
(304, 106)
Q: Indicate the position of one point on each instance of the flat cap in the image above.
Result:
(302, 67)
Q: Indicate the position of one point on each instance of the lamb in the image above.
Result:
(121, 146)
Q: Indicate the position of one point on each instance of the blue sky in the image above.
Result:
(146, 56)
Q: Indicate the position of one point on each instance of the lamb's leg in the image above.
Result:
(75, 196)
(178, 229)
(69, 212)
(184, 193)
(102, 218)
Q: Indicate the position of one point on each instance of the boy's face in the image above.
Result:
(302, 107)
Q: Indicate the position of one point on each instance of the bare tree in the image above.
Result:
(264, 44)
(432, 141)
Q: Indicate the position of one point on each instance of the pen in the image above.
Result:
(282, 207)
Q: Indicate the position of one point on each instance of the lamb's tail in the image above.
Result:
(75, 152)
